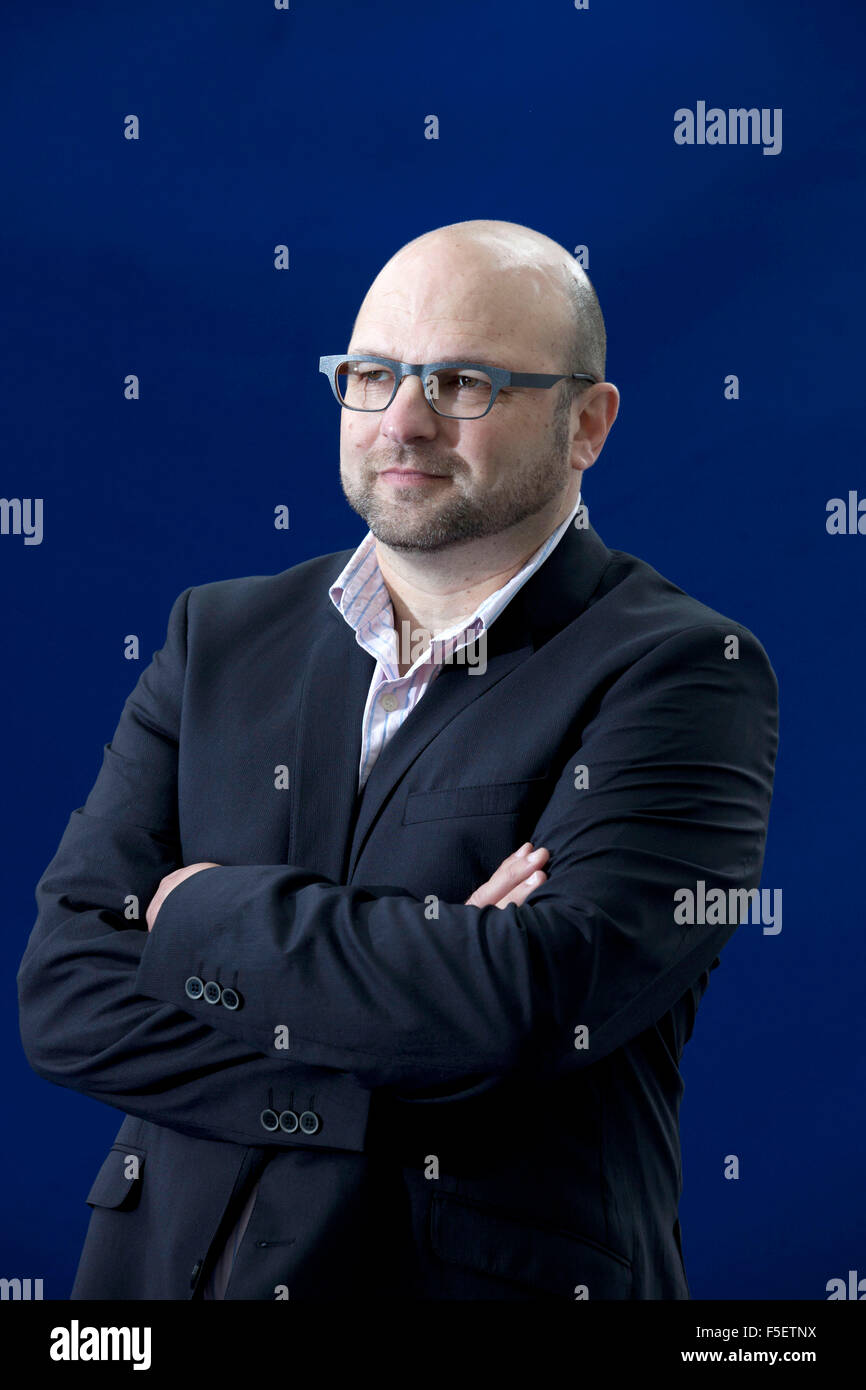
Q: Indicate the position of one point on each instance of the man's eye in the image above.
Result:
(462, 381)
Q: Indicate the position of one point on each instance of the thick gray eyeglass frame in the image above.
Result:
(498, 376)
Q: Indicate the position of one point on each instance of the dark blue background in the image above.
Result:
(155, 257)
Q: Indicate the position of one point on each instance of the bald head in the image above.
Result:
(511, 283)
(472, 491)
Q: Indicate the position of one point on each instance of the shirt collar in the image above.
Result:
(360, 595)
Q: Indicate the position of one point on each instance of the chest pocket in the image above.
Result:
(492, 799)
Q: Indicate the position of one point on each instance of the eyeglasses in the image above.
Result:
(457, 390)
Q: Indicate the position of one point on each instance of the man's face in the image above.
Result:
(420, 481)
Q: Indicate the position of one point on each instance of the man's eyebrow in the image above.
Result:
(446, 361)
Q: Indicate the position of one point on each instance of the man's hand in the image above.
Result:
(171, 881)
(514, 880)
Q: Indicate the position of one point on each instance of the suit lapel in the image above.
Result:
(552, 597)
(330, 821)
(328, 745)
(449, 693)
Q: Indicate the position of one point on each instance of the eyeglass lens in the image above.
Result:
(461, 392)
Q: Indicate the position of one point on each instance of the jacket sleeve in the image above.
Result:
(678, 758)
(83, 1022)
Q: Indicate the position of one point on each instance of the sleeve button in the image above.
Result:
(194, 987)
(310, 1121)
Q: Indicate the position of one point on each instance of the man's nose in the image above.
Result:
(409, 416)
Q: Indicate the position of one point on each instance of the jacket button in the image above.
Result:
(288, 1121)
(310, 1121)
(194, 987)
(270, 1119)
(196, 1271)
(231, 999)
(212, 992)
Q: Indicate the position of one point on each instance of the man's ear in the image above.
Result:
(596, 410)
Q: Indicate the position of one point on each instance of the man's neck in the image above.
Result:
(431, 590)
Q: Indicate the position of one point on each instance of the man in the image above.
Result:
(366, 1047)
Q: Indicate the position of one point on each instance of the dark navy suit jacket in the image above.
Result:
(442, 1133)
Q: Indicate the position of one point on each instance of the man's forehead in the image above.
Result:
(478, 282)
(455, 333)
(481, 311)
(445, 337)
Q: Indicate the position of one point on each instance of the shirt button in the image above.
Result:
(389, 702)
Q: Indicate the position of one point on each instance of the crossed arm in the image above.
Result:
(681, 756)
(512, 882)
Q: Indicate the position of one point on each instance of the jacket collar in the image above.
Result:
(331, 821)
